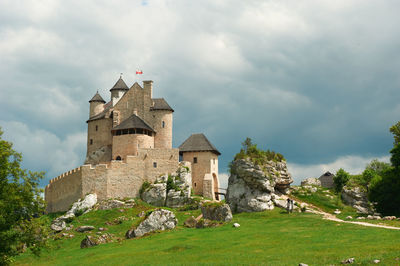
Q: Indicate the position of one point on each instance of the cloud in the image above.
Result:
(352, 164)
(44, 151)
(315, 81)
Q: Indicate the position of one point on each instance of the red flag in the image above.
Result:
(139, 72)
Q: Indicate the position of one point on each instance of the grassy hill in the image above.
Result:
(272, 237)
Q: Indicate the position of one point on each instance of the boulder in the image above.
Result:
(216, 212)
(88, 241)
(356, 198)
(311, 181)
(190, 222)
(84, 228)
(79, 207)
(348, 261)
(110, 204)
(158, 220)
(58, 225)
(178, 198)
(252, 187)
(155, 195)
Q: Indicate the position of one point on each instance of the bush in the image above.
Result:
(340, 179)
(257, 156)
(145, 186)
(171, 184)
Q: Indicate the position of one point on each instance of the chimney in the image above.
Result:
(148, 85)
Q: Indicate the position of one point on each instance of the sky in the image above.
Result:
(317, 81)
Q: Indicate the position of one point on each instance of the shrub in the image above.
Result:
(171, 184)
(80, 212)
(340, 179)
(145, 186)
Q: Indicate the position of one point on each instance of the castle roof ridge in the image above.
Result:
(120, 85)
(97, 98)
(198, 142)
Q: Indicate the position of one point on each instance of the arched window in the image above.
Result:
(163, 124)
(118, 158)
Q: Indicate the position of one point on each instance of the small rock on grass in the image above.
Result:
(236, 225)
(303, 264)
(349, 217)
(337, 212)
(84, 228)
(377, 261)
(348, 261)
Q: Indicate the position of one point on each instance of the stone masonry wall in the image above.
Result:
(64, 190)
(163, 138)
(100, 138)
(124, 145)
(207, 163)
(117, 179)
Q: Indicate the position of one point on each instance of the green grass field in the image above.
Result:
(272, 238)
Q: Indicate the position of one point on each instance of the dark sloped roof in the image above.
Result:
(120, 85)
(161, 104)
(327, 174)
(97, 98)
(133, 122)
(101, 115)
(198, 142)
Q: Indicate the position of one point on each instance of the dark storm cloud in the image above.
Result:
(317, 82)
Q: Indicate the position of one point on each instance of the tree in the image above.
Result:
(395, 158)
(340, 179)
(20, 203)
(377, 166)
(395, 130)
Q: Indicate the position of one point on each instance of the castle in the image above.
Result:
(130, 141)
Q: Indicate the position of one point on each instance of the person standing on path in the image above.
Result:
(288, 205)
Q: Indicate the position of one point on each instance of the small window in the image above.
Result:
(97, 127)
(91, 141)
(118, 158)
(194, 159)
(163, 124)
(155, 164)
(214, 161)
(195, 184)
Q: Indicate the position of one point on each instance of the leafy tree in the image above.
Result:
(385, 189)
(256, 155)
(377, 166)
(340, 179)
(395, 158)
(395, 130)
(20, 203)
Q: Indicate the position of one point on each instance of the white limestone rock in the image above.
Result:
(251, 187)
(357, 198)
(158, 220)
(216, 212)
(236, 225)
(155, 195)
(110, 204)
(311, 181)
(178, 198)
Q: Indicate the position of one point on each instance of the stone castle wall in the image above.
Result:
(124, 145)
(163, 138)
(100, 137)
(117, 179)
(204, 172)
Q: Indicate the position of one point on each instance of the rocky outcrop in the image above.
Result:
(252, 187)
(216, 211)
(311, 181)
(110, 204)
(78, 208)
(103, 154)
(357, 198)
(169, 190)
(158, 220)
(155, 195)
(84, 228)
(90, 241)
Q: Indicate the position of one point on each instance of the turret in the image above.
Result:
(96, 105)
(118, 90)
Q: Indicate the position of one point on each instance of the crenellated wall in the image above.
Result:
(63, 190)
(118, 179)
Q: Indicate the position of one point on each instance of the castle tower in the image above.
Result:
(162, 123)
(118, 90)
(203, 156)
(96, 105)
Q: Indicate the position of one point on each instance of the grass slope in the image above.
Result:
(272, 237)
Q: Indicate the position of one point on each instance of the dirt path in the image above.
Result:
(327, 216)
